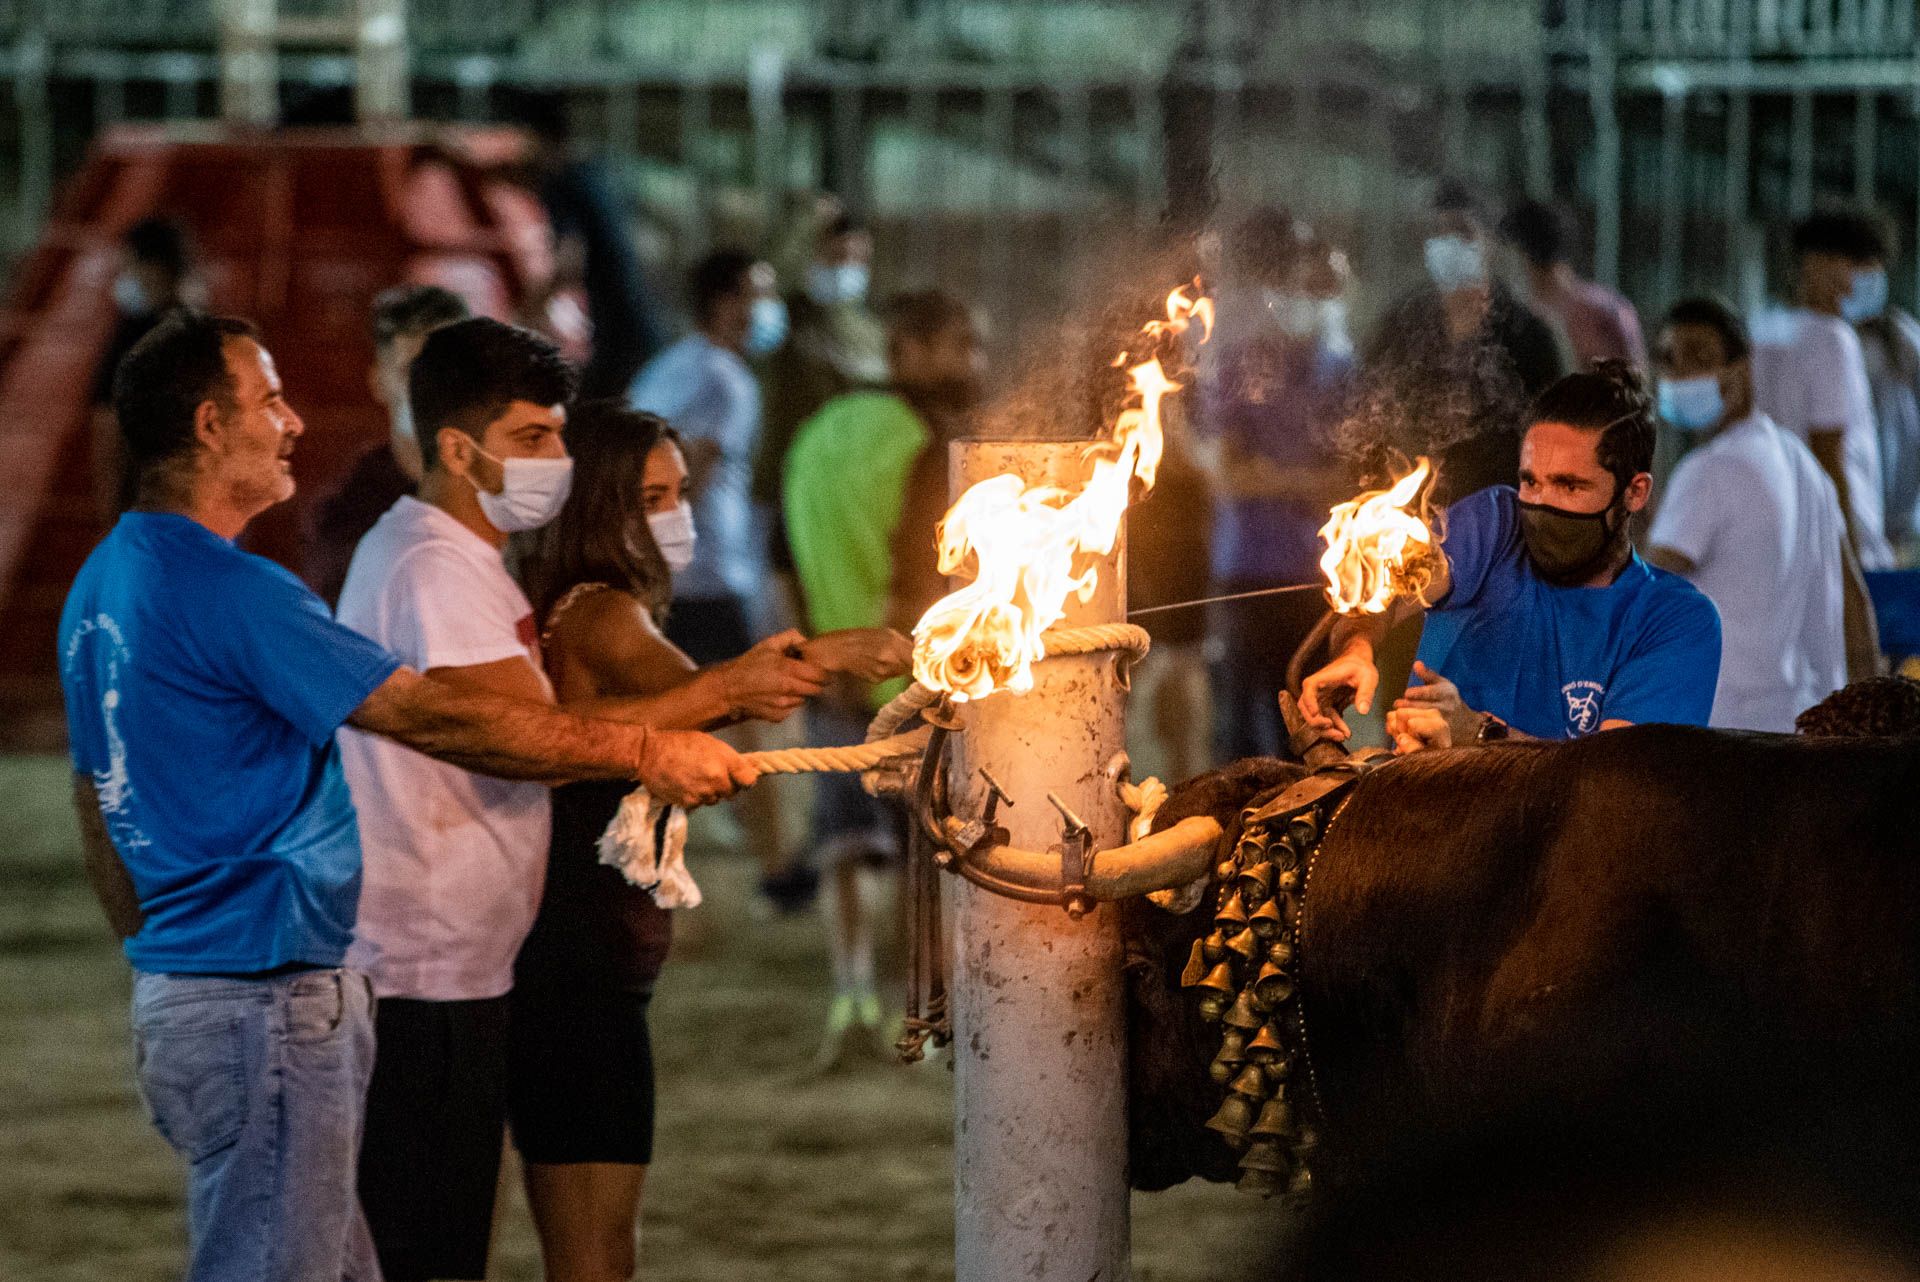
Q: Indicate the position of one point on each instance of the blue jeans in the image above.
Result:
(261, 1084)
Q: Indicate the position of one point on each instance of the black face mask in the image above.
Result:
(1567, 548)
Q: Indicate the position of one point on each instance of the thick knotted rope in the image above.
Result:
(883, 745)
(863, 756)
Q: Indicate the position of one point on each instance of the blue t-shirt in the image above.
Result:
(1273, 399)
(1555, 662)
(203, 688)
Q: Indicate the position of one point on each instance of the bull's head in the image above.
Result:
(1172, 1046)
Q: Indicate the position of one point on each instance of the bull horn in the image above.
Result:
(1176, 856)
(1304, 741)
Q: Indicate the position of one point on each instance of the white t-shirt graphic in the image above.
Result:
(1753, 510)
(454, 861)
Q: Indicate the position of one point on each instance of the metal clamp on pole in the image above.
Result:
(1076, 860)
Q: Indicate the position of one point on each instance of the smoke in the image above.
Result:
(1418, 393)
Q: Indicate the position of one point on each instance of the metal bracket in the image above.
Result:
(1076, 860)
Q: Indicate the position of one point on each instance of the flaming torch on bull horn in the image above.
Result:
(1380, 549)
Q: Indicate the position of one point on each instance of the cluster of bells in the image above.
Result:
(1244, 973)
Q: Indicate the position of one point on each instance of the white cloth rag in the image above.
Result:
(649, 847)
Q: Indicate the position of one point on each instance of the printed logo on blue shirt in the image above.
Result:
(1583, 705)
(112, 787)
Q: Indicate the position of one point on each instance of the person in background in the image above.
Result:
(454, 860)
(1264, 411)
(156, 275)
(204, 687)
(580, 1069)
(837, 344)
(1810, 376)
(593, 247)
(1890, 345)
(703, 385)
(1598, 323)
(1753, 522)
(1465, 345)
(402, 319)
(1545, 624)
(865, 488)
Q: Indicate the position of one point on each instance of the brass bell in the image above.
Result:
(1223, 871)
(1252, 1083)
(1232, 1118)
(1276, 1121)
(1280, 952)
(1287, 881)
(1241, 1014)
(1256, 882)
(1215, 946)
(1265, 1047)
(1212, 1006)
(1266, 1154)
(1269, 919)
(1303, 829)
(1245, 945)
(1273, 985)
(1218, 980)
(1232, 914)
(1259, 1183)
(1301, 1184)
(1197, 966)
(1233, 1053)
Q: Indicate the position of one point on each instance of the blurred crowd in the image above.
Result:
(737, 523)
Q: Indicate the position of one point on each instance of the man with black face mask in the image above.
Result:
(1546, 624)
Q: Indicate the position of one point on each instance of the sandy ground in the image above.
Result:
(759, 1174)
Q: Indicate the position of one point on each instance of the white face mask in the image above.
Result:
(843, 284)
(673, 534)
(531, 494)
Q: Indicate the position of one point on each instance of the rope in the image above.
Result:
(1060, 643)
(883, 745)
(798, 761)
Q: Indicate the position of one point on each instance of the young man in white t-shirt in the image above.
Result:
(454, 861)
(1811, 378)
(1752, 520)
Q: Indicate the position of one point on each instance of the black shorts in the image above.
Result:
(710, 630)
(436, 1116)
(580, 1075)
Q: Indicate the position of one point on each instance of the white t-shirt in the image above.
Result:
(454, 861)
(1753, 510)
(1808, 371)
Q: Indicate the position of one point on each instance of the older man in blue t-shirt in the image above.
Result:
(1545, 624)
(203, 689)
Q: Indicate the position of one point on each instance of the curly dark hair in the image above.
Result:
(601, 534)
(1877, 707)
(1612, 399)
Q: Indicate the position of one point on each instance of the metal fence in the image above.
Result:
(1681, 130)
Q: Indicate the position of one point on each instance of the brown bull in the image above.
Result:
(1479, 910)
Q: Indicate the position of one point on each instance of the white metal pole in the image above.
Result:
(1040, 1126)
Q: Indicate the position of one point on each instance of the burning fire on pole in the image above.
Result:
(1023, 792)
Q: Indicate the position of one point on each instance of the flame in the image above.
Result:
(1035, 547)
(1378, 549)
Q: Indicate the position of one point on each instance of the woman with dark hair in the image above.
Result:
(1542, 621)
(581, 1092)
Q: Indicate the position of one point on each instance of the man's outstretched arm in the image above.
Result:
(520, 739)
